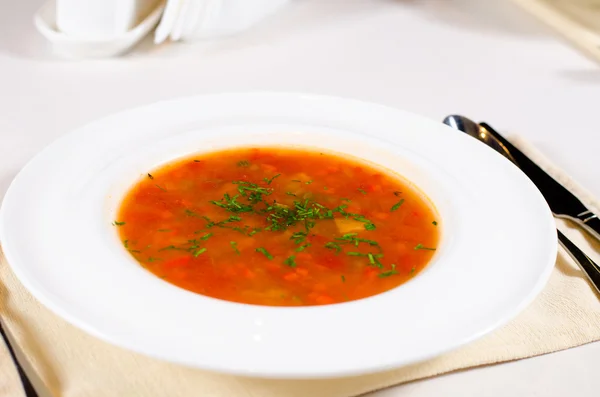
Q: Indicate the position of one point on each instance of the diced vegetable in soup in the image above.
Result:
(278, 227)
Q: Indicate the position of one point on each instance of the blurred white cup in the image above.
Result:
(100, 19)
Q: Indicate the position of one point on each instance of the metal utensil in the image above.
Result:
(563, 203)
(487, 135)
(27, 387)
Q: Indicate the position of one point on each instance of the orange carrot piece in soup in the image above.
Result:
(278, 227)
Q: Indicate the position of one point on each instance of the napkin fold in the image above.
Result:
(66, 362)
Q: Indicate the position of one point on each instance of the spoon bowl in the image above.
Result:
(477, 131)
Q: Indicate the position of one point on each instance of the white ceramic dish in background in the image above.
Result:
(76, 47)
(497, 250)
(204, 19)
(167, 22)
(100, 19)
(229, 17)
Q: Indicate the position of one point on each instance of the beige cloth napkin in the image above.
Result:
(69, 363)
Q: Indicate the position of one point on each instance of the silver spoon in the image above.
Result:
(477, 131)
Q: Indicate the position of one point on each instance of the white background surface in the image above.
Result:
(484, 59)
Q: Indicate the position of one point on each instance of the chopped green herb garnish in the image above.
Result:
(346, 199)
(231, 204)
(117, 223)
(302, 247)
(333, 246)
(363, 191)
(397, 194)
(353, 239)
(376, 260)
(255, 194)
(370, 242)
(281, 216)
(340, 209)
(126, 243)
(265, 253)
(240, 229)
(160, 187)
(299, 237)
(370, 226)
(371, 258)
(268, 181)
(243, 163)
(397, 205)
(360, 218)
(343, 279)
(170, 247)
(421, 247)
(206, 236)
(234, 246)
(412, 270)
(199, 252)
(192, 213)
(253, 232)
(151, 259)
(389, 272)
(324, 187)
(209, 223)
(309, 182)
(135, 251)
(290, 194)
(290, 261)
(150, 176)
(355, 254)
(434, 223)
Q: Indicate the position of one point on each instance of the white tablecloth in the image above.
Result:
(484, 59)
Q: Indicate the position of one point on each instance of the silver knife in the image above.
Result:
(562, 202)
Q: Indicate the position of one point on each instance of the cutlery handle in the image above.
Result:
(27, 386)
(587, 220)
(591, 269)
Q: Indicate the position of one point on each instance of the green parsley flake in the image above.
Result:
(265, 253)
(268, 181)
(390, 272)
(333, 246)
(397, 205)
(290, 261)
(421, 247)
(302, 247)
(206, 236)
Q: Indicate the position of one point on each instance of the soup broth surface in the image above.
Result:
(278, 227)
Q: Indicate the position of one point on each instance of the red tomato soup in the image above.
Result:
(278, 227)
